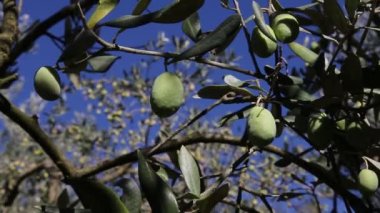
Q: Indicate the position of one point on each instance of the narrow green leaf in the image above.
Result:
(157, 192)
(96, 196)
(211, 197)
(102, 63)
(303, 52)
(260, 22)
(131, 21)
(131, 194)
(104, 7)
(336, 15)
(190, 171)
(215, 39)
(228, 42)
(218, 91)
(191, 26)
(141, 6)
(352, 79)
(178, 11)
(82, 42)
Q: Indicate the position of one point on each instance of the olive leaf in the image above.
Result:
(303, 52)
(336, 15)
(131, 194)
(190, 171)
(154, 187)
(373, 162)
(218, 91)
(102, 63)
(178, 11)
(191, 26)
(215, 39)
(211, 197)
(96, 196)
(104, 7)
(173, 13)
(260, 22)
(81, 43)
(233, 81)
(140, 7)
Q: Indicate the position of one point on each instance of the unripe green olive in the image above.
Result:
(320, 130)
(261, 44)
(368, 181)
(167, 94)
(47, 83)
(261, 126)
(285, 27)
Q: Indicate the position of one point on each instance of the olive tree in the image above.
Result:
(297, 126)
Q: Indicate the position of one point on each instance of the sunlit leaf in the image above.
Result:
(102, 63)
(260, 21)
(104, 7)
(303, 52)
(190, 171)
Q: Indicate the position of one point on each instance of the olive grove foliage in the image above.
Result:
(56, 156)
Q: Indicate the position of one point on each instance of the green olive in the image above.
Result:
(285, 27)
(167, 94)
(261, 126)
(47, 83)
(368, 181)
(261, 44)
(320, 130)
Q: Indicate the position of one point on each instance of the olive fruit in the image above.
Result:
(47, 83)
(320, 130)
(261, 126)
(285, 27)
(167, 94)
(261, 44)
(368, 181)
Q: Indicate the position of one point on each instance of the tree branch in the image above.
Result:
(12, 191)
(313, 168)
(31, 126)
(9, 29)
(40, 29)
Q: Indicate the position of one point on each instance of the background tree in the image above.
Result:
(100, 138)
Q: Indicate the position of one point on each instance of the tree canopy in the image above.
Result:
(245, 106)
